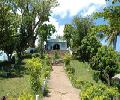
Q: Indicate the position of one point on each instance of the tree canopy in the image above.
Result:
(111, 30)
(76, 31)
(19, 20)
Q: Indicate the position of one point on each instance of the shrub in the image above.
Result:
(67, 59)
(38, 70)
(35, 67)
(56, 55)
(35, 55)
(26, 96)
(48, 60)
(81, 84)
(105, 61)
(70, 70)
(27, 55)
(96, 76)
(99, 92)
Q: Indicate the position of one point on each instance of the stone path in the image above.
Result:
(60, 87)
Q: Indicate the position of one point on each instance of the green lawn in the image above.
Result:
(82, 71)
(14, 86)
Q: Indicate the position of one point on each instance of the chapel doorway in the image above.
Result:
(56, 47)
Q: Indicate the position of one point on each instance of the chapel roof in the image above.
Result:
(56, 40)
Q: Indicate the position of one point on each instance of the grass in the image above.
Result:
(14, 86)
(82, 71)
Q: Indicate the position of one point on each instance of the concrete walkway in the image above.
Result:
(60, 87)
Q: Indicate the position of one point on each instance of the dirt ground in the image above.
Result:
(60, 87)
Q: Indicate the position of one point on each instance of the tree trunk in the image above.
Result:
(41, 48)
(107, 77)
(9, 57)
(31, 41)
(19, 57)
(114, 43)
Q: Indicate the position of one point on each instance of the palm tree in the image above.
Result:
(112, 29)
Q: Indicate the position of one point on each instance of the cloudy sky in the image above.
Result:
(67, 9)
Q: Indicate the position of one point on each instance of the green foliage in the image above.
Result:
(76, 31)
(96, 76)
(77, 79)
(8, 29)
(19, 31)
(29, 25)
(27, 56)
(70, 70)
(68, 33)
(35, 55)
(67, 59)
(39, 70)
(98, 92)
(56, 55)
(35, 67)
(105, 61)
(44, 31)
(90, 90)
(48, 60)
(114, 1)
(89, 47)
(25, 96)
(111, 30)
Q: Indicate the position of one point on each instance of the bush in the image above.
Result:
(105, 61)
(81, 84)
(48, 60)
(70, 70)
(98, 92)
(38, 70)
(35, 67)
(26, 96)
(96, 76)
(67, 59)
(35, 55)
(27, 55)
(56, 55)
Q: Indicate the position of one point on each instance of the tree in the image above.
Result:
(75, 32)
(8, 29)
(34, 13)
(68, 31)
(105, 62)
(110, 30)
(81, 28)
(114, 1)
(44, 31)
(89, 47)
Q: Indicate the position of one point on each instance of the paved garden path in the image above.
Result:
(60, 88)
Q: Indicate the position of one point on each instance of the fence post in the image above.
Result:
(37, 97)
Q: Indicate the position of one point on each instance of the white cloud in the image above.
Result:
(74, 6)
(90, 11)
(59, 28)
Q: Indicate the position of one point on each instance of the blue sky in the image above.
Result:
(67, 9)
